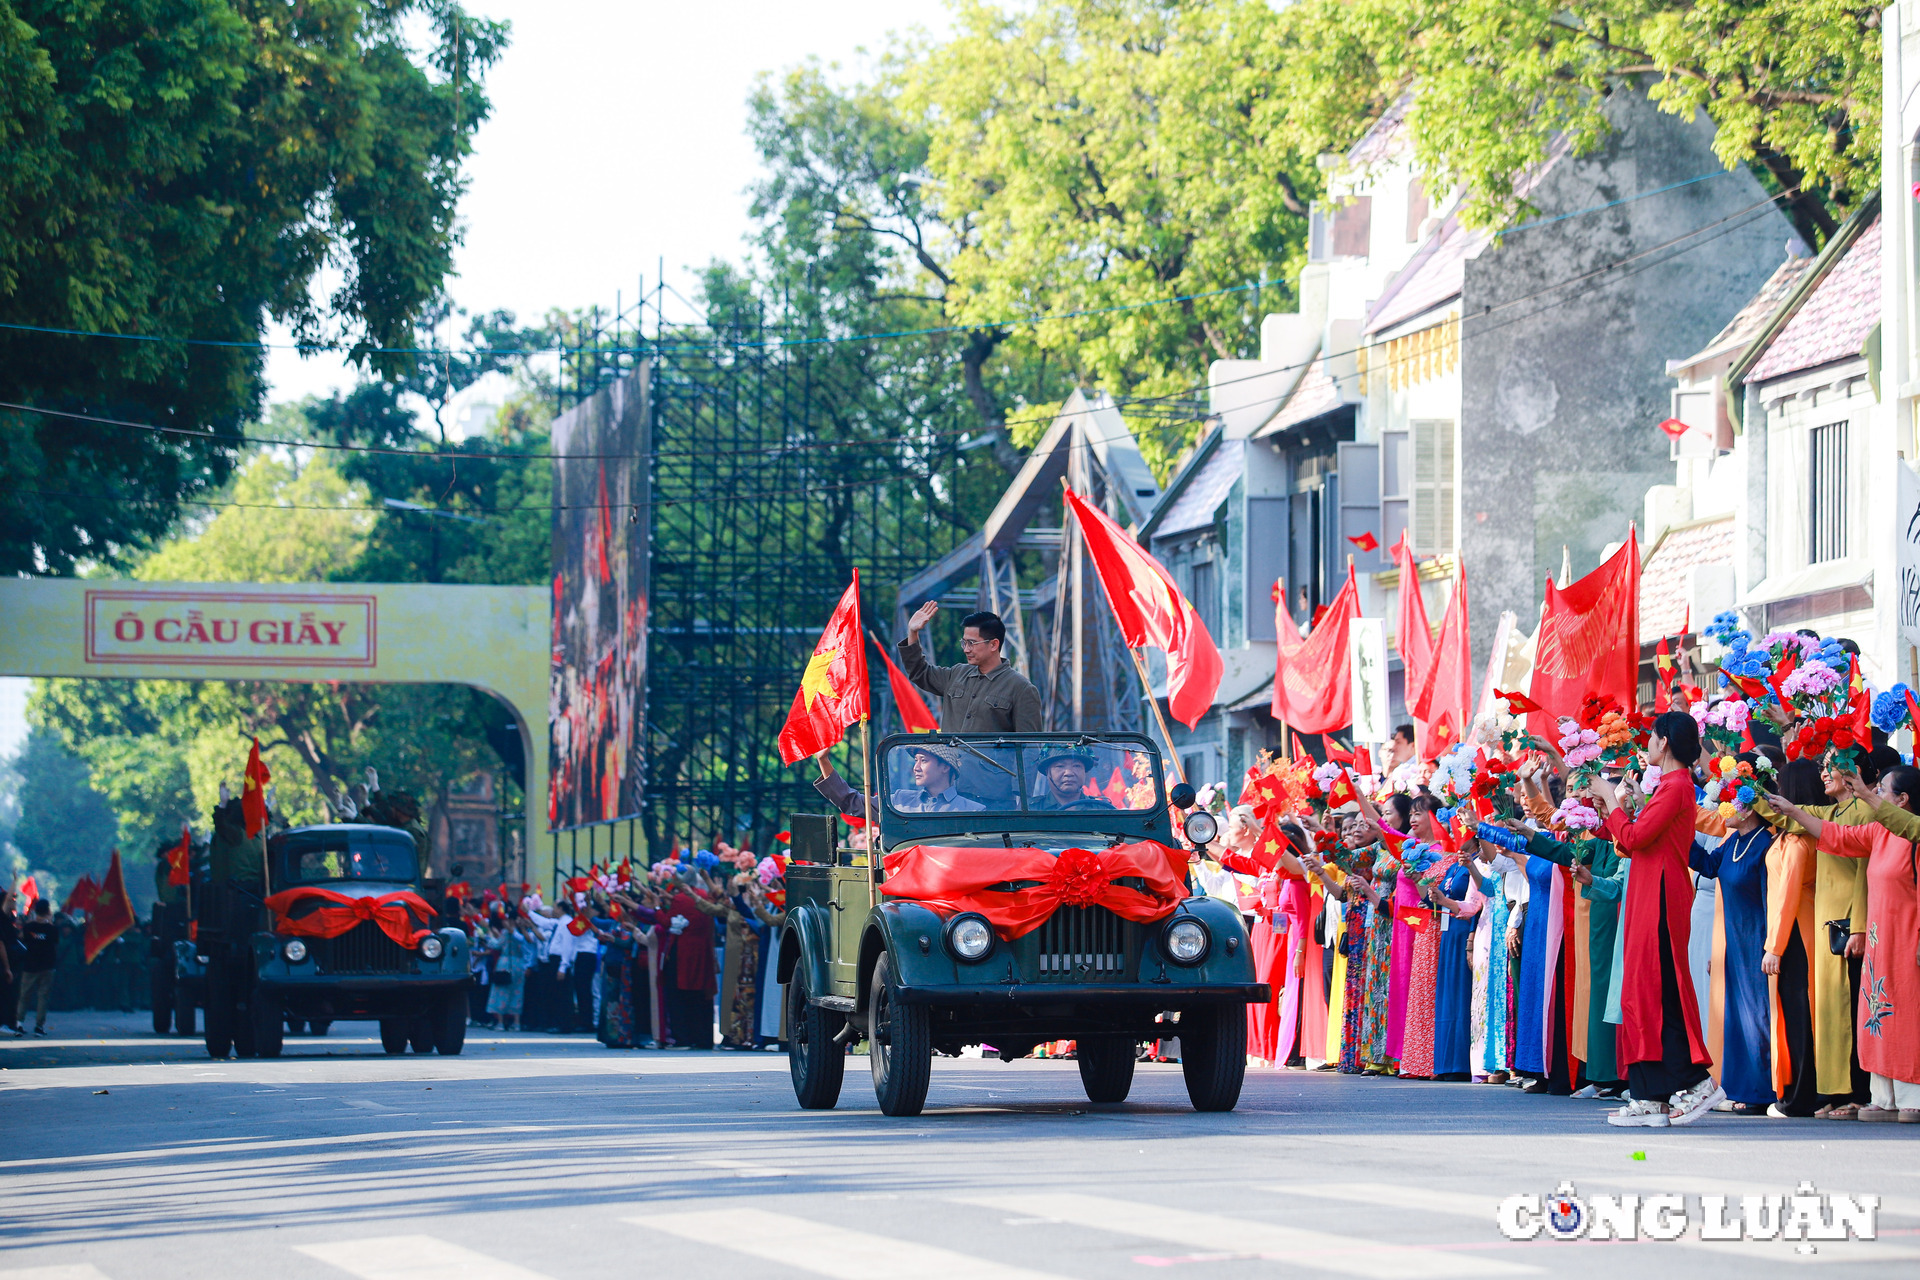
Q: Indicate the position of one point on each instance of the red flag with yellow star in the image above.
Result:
(110, 914)
(253, 795)
(833, 692)
(180, 858)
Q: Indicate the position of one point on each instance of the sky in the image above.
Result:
(618, 145)
(617, 142)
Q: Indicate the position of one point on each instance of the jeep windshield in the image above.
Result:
(1068, 776)
(318, 855)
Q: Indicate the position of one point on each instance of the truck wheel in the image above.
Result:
(816, 1063)
(899, 1046)
(450, 1027)
(269, 1025)
(183, 1018)
(244, 1045)
(219, 1035)
(393, 1035)
(1213, 1055)
(162, 993)
(420, 1032)
(1106, 1068)
(318, 1027)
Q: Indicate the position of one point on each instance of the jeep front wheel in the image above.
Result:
(1213, 1055)
(816, 1062)
(899, 1046)
(393, 1035)
(450, 1027)
(269, 1024)
(1106, 1068)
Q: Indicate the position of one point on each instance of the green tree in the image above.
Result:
(66, 829)
(1793, 86)
(182, 170)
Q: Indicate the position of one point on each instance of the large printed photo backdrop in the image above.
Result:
(599, 674)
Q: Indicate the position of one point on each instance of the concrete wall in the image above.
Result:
(1563, 373)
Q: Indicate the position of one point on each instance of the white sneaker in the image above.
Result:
(1640, 1115)
(1586, 1091)
(1690, 1104)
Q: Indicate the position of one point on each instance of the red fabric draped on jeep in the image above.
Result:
(951, 880)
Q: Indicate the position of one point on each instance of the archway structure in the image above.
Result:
(491, 638)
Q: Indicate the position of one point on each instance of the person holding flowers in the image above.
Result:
(1740, 1022)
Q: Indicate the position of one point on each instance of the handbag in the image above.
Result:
(1838, 932)
(503, 977)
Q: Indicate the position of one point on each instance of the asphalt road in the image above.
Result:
(126, 1156)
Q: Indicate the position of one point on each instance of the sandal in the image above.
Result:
(1877, 1113)
(1910, 1115)
(1743, 1109)
(1842, 1111)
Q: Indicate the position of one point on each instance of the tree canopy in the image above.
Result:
(181, 171)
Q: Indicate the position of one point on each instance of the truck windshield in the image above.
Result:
(1072, 775)
(309, 857)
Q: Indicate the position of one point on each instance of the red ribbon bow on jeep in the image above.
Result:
(395, 913)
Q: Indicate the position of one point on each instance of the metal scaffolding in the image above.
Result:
(776, 468)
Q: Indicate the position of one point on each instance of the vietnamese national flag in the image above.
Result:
(1861, 699)
(83, 895)
(1341, 792)
(1444, 699)
(1312, 679)
(1589, 639)
(111, 913)
(1518, 704)
(253, 794)
(1412, 635)
(1362, 760)
(1268, 848)
(1337, 753)
(1665, 672)
(1151, 611)
(914, 713)
(833, 690)
(180, 858)
(1366, 542)
(1752, 686)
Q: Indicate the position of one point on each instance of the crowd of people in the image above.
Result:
(1623, 914)
(651, 957)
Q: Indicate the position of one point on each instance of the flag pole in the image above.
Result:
(1139, 664)
(866, 805)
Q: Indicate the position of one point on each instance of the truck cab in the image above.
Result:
(1029, 888)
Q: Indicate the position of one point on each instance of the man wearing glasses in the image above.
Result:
(982, 694)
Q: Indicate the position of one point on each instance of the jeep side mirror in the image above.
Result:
(1181, 796)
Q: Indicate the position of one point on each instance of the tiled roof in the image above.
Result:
(1836, 317)
(1384, 138)
(1752, 318)
(1203, 494)
(1317, 393)
(1663, 578)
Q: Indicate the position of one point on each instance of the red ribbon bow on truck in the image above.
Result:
(393, 912)
(951, 880)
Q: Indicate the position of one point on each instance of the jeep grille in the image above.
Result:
(365, 948)
(1083, 944)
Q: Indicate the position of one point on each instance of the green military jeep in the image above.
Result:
(1031, 891)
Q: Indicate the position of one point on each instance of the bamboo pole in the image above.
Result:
(1146, 686)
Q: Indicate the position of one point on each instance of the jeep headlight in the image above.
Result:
(969, 936)
(294, 950)
(1186, 941)
(1201, 828)
(431, 948)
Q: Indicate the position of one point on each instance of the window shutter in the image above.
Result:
(1433, 450)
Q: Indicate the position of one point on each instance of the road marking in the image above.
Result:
(824, 1249)
(746, 1169)
(414, 1258)
(1387, 1195)
(1216, 1235)
(77, 1271)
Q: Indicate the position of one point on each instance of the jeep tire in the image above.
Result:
(1106, 1068)
(420, 1032)
(183, 1016)
(1213, 1055)
(219, 1034)
(899, 1045)
(818, 1064)
(160, 986)
(269, 1024)
(450, 1024)
(393, 1035)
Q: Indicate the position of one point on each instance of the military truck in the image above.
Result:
(311, 949)
(937, 948)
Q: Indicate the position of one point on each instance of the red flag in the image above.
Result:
(1753, 687)
(253, 793)
(1151, 611)
(1665, 672)
(1412, 636)
(1445, 698)
(1341, 792)
(1673, 428)
(1589, 640)
(833, 692)
(1362, 761)
(180, 858)
(1268, 848)
(1913, 721)
(29, 894)
(1518, 704)
(1366, 542)
(1116, 790)
(1861, 699)
(110, 915)
(1789, 662)
(906, 699)
(83, 895)
(1337, 753)
(1312, 681)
